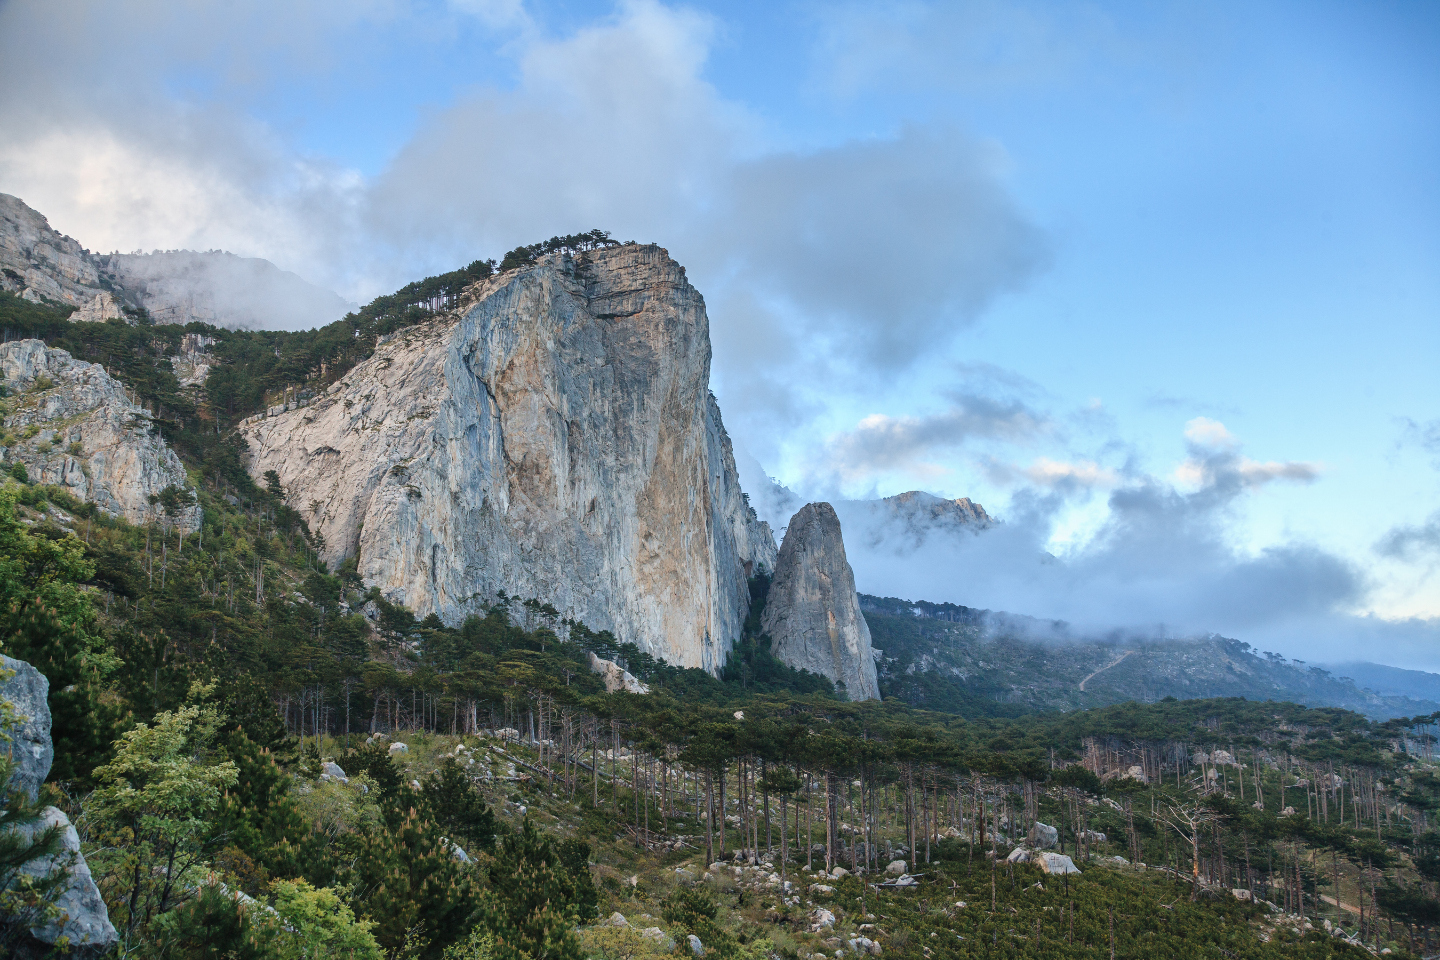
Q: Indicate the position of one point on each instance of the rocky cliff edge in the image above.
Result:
(554, 437)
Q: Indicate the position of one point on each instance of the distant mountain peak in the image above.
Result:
(960, 510)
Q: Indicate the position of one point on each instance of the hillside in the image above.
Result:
(951, 657)
(323, 773)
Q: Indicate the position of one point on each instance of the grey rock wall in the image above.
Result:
(84, 922)
(554, 438)
(28, 693)
(71, 424)
(813, 614)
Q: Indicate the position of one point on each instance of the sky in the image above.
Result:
(1156, 283)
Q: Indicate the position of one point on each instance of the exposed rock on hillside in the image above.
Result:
(616, 677)
(85, 923)
(71, 424)
(38, 263)
(28, 692)
(813, 614)
(553, 437)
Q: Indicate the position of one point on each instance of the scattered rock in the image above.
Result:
(1042, 836)
(660, 937)
(1056, 863)
(821, 919)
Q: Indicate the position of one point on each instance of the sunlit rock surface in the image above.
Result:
(71, 424)
(553, 437)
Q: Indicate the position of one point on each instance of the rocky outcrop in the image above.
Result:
(813, 615)
(553, 437)
(31, 749)
(38, 263)
(84, 922)
(71, 424)
(615, 677)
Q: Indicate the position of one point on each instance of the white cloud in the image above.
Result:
(1085, 473)
(1208, 433)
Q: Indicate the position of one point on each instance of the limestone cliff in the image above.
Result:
(813, 614)
(553, 437)
(71, 424)
(39, 263)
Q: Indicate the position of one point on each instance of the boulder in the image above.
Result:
(1019, 855)
(696, 947)
(1056, 863)
(659, 937)
(812, 615)
(332, 770)
(28, 692)
(895, 868)
(1240, 893)
(821, 919)
(616, 678)
(398, 748)
(839, 873)
(84, 921)
(1042, 836)
(617, 919)
(1136, 772)
(1092, 836)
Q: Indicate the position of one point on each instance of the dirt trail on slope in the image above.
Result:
(1107, 666)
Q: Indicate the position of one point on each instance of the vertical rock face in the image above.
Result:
(84, 923)
(554, 437)
(28, 693)
(39, 263)
(71, 424)
(813, 614)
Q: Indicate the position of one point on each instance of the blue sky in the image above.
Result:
(1085, 263)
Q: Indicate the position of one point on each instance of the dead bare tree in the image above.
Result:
(1187, 821)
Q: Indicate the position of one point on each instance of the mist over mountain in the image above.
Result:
(168, 286)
